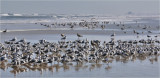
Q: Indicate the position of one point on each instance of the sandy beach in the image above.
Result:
(79, 39)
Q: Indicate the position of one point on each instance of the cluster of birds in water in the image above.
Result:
(22, 55)
(103, 25)
(83, 23)
(90, 24)
(99, 24)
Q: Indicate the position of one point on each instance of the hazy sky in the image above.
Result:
(80, 6)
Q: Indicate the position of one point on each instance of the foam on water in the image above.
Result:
(32, 18)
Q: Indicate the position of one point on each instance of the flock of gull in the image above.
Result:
(22, 55)
(82, 23)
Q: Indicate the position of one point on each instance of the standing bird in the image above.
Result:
(63, 36)
(112, 35)
(14, 39)
(156, 37)
(71, 26)
(148, 36)
(79, 35)
(137, 34)
(149, 32)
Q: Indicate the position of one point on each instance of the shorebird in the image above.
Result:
(112, 35)
(14, 39)
(78, 35)
(149, 32)
(148, 36)
(71, 26)
(102, 26)
(3, 58)
(63, 38)
(137, 34)
(22, 40)
(155, 36)
(62, 35)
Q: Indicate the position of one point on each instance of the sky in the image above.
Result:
(80, 6)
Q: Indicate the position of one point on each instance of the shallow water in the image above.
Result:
(130, 69)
